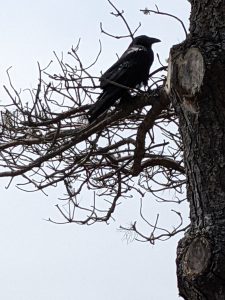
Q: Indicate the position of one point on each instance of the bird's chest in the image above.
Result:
(143, 65)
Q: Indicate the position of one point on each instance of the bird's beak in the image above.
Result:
(153, 40)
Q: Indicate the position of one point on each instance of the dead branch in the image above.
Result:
(147, 11)
(132, 150)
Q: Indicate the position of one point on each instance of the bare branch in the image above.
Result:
(132, 150)
(120, 14)
(147, 11)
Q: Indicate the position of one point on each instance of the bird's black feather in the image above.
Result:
(130, 70)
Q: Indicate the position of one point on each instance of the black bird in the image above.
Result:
(131, 70)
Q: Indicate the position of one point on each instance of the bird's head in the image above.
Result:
(144, 40)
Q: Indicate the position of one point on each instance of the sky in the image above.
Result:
(43, 261)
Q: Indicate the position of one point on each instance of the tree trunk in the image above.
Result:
(196, 85)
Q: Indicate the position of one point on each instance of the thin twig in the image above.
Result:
(157, 11)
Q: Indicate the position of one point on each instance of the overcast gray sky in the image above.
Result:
(42, 261)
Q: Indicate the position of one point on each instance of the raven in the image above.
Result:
(131, 70)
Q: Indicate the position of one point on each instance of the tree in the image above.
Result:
(135, 148)
(196, 90)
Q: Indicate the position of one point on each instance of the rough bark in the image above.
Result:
(196, 86)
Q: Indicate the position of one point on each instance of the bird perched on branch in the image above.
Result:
(131, 70)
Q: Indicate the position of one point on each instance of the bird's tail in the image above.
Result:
(105, 100)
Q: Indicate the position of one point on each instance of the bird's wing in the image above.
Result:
(125, 65)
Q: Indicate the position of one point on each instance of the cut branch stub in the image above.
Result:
(197, 258)
(187, 71)
(191, 71)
